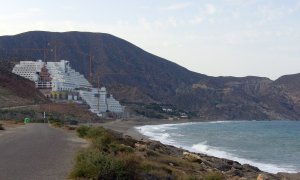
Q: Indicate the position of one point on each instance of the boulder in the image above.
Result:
(260, 177)
(192, 157)
(140, 147)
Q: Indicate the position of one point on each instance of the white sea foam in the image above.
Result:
(158, 133)
(219, 122)
(218, 152)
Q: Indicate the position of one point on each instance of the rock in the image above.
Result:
(154, 145)
(287, 176)
(222, 167)
(192, 157)
(251, 168)
(260, 177)
(140, 147)
(263, 176)
(235, 172)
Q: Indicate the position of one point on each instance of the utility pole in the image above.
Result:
(55, 55)
(44, 117)
(44, 55)
(98, 93)
(54, 44)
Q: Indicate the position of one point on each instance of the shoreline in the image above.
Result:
(127, 128)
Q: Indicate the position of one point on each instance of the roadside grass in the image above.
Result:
(105, 159)
(214, 176)
(7, 124)
(111, 156)
(82, 131)
(56, 123)
(92, 163)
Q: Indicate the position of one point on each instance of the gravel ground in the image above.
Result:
(37, 151)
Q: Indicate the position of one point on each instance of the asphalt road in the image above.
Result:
(37, 152)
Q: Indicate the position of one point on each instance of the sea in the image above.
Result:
(272, 146)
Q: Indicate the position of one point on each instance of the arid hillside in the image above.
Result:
(136, 76)
(16, 90)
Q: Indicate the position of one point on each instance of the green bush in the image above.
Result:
(93, 164)
(214, 176)
(95, 132)
(120, 148)
(56, 122)
(102, 142)
(82, 131)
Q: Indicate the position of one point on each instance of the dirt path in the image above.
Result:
(37, 151)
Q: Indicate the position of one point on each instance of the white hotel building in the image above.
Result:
(62, 78)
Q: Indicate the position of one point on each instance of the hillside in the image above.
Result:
(135, 75)
(15, 90)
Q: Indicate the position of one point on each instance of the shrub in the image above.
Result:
(120, 148)
(192, 178)
(56, 123)
(82, 131)
(102, 142)
(93, 164)
(95, 132)
(214, 176)
(71, 128)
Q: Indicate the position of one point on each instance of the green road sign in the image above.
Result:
(26, 120)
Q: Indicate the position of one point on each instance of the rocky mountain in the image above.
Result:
(135, 75)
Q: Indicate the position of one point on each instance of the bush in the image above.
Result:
(214, 176)
(71, 128)
(101, 138)
(93, 164)
(56, 123)
(102, 142)
(82, 131)
(95, 132)
(120, 148)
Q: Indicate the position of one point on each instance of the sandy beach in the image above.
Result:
(127, 126)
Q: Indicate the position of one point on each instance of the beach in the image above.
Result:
(127, 126)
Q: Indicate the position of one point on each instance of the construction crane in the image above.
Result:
(91, 58)
(54, 43)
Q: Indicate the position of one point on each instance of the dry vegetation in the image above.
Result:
(68, 111)
(61, 112)
(112, 156)
(8, 124)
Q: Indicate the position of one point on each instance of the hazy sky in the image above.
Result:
(220, 37)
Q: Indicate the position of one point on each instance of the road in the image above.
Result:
(37, 152)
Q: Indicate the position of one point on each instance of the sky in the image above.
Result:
(213, 37)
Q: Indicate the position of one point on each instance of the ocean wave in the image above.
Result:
(221, 122)
(217, 152)
(158, 133)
